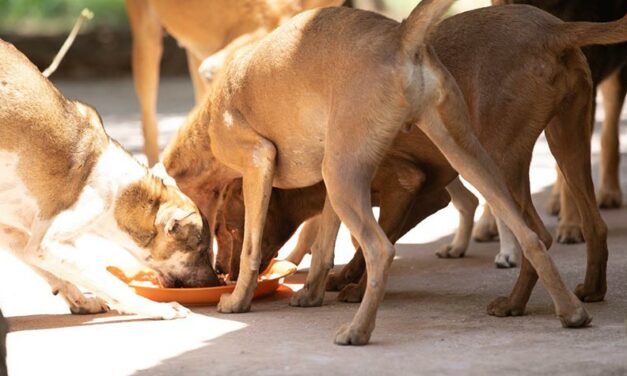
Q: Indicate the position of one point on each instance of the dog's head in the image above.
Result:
(170, 233)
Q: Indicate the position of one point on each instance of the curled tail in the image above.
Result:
(416, 27)
(578, 34)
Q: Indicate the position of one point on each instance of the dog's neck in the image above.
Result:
(119, 168)
(116, 171)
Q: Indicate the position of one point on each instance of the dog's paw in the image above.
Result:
(569, 234)
(589, 295)
(610, 198)
(577, 319)
(351, 293)
(306, 298)
(485, 231)
(347, 335)
(502, 307)
(553, 205)
(505, 261)
(450, 251)
(171, 311)
(90, 306)
(228, 304)
(336, 282)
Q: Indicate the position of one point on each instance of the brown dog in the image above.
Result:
(608, 65)
(254, 132)
(201, 27)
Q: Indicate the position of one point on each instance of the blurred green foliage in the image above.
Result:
(53, 16)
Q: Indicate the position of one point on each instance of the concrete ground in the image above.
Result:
(433, 319)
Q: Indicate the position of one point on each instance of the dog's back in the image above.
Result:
(38, 124)
(603, 60)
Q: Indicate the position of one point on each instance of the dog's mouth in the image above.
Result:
(172, 282)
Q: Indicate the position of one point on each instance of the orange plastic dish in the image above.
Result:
(142, 284)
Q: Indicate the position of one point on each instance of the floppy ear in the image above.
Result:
(176, 227)
(159, 171)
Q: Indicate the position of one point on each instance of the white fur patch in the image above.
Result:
(114, 171)
(18, 208)
(228, 119)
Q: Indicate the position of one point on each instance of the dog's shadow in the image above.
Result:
(58, 321)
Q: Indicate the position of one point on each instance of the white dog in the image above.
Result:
(62, 176)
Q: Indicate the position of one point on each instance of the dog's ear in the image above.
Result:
(159, 171)
(176, 226)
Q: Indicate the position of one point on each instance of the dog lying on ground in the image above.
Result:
(608, 65)
(283, 114)
(3, 345)
(519, 136)
(202, 28)
(63, 176)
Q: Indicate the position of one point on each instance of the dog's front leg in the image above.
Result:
(306, 240)
(64, 261)
(509, 254)
(466, 204)
(448, 126)
(257, 175)
(146, 57)
(312, 294)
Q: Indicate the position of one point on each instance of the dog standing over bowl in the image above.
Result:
(283, 114)
(504, 129)
(63, 176)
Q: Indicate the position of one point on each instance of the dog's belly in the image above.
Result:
(18, 207)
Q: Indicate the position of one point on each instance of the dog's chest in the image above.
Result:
(18, 206)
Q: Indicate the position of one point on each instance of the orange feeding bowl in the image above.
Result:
(146, 285)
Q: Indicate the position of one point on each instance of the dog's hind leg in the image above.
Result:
(448, 126)
(568, 136)
(312, 293)
(613, 89)
(348, 188)
(466, 204)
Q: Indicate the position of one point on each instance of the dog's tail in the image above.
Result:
(417, 26)
(578, 34)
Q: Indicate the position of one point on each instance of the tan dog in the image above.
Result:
(63, 176)
(202, 27)
(284, 114)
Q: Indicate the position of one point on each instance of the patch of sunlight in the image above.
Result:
(107, 349)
